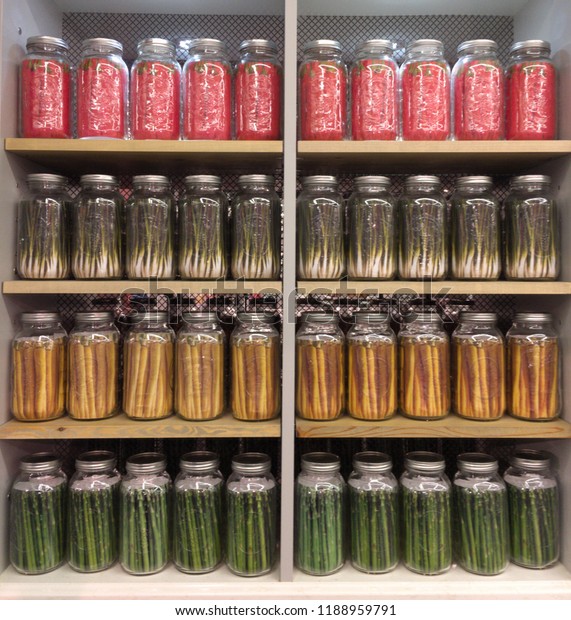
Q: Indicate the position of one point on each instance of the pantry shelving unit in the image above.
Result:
(293, 20)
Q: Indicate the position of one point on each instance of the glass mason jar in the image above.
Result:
(481, 511)
(533, 246)
(425, 92)
(202, 222)
(37, 515)
(45, 89)
(150, 228)
(320, 229)
(255, 229)
(39, 364)
(43, 234)
(256, 354)
(198, 515)
(534, 367)
(372, 225)
(102, 90)
(479, 367)
(478, 92)
(372, 367)
(207, 92)
(533, 493)
(251, 520)
(374, 510)
(426, 514)
(145, 504)
(199, 367)
(424, 362)
(93, 511)
(320, 514)
(374, 92)
(320, 367)
(93, 371)
(423, 223)
(97, 223)
(148, 373)
(531, 80)
(258, 91)
(155, 91)
(476, 233)
(322, 92)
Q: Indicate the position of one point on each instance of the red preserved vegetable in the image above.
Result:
(45, 89)
(323, 92)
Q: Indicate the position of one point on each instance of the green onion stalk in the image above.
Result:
(150, 238)
(320, 532)
(37, 527)
(534, 524)
(374, 527)
(427, 530)
(144, 518)
(43, 240)
(482, 528)
(251, 529)
(197, 528)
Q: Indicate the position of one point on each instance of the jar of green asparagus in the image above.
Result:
(374, 513)
(145, 514)
(426, 514)
(202, 221)
(96, 233)
(320, 514)
(93, 511)
(43, 236)
(251, 521)
(198, 519)
(532, 224)
(320, 229)
(37, 515)
(475, 247)
(372, 213)
(150, 223)
(533, 494)
(481, 509)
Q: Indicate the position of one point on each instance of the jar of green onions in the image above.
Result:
(374, 512)
(197, 522)
(320, 514)
(93, 510)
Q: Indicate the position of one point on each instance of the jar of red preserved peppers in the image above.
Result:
(45, 89)
(478, 92)
(322, 92)
(207, 92)
(102, 90)
(155, 91)
(374, 88)
(425, 87)
(531, 92)
(258, 91)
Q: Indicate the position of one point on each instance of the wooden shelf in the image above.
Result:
(121, 427)
(149, 156)
(414, 157)
(138, 287)
(451, 427)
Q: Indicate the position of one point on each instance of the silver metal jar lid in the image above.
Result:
(214, 44)
(477, 463)
(200, 317)
(152, 316)
(436, 43)
(257, 317)
(106, 179)
(264, 44)
(251, 463)
(57, 179)
(376, 45)
(372, 462)
(424, 462)
(373, 180)
(320, 179)
(146, 463)
(533, 317)
(96, 461)
(323, 43)
(86, 317)
(319, 317)
(204, 179)
(463, 182)
(260, 179)
(530, 179)
(40, 463)
(106, 44)
(199, 462)
(423, 179)
(532, 44)
(478, 317)
(320, 463)
(475, 45)
(533, 460)
(424, 317)
(40, 317)
(163, 45)
(370, 317)
(155, 179)
(47, 41)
